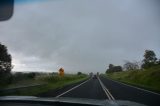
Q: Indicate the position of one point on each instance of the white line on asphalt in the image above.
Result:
(104, 90)
(134, 87)
(72, 88)
(111, 98)
(109, 95)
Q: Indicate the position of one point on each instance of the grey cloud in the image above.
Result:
(82, 35)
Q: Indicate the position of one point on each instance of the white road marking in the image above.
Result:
(105, 90)
(109, 95)
(134, 87)
(72, 88)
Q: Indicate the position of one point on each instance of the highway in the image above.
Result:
(104, 88)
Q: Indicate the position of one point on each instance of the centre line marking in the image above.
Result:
(109, 95)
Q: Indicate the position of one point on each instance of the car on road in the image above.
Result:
(94, 77)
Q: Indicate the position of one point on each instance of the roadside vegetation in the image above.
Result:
(145, 74)
(44, 82)
(31, 83)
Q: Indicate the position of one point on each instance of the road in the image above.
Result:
(126, 92)
(104, 88)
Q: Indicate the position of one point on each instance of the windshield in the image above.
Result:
(90, 49)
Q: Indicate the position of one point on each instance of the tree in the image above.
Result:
(31, 75)
(131, 65)
(79, 73)
(110, 69)
(158, 62)
(149, 59)
(113, 68)
(117, 69)
(5, 60)
(5, 63)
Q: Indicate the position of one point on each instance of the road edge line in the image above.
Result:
(72, 88)
(133, 86)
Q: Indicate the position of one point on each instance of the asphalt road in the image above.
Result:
(125, 92)
(104, 88)
(91, 89)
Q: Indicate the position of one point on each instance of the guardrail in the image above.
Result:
(9, 91)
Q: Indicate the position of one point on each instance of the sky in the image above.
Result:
(80, 35)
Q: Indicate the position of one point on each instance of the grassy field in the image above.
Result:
(148, 79)
(49, 81)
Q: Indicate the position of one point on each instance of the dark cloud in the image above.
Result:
(81, 35)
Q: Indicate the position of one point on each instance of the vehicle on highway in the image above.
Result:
(94, 77)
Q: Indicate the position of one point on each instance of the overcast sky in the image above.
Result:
(80, 35)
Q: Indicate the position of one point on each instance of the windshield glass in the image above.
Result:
(92, 49)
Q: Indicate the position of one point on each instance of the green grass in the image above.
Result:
(147, 79)
(50, 83)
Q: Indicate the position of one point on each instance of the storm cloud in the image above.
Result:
(80, 35)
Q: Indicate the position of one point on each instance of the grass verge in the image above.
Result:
(49, 82)
(147, 79)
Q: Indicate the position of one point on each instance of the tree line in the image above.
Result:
(150, 60)
(5, 65)
(6, 77)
